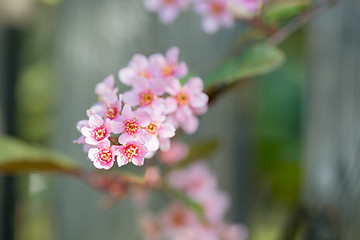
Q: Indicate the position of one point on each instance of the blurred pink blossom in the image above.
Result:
(215, 14)
(177, 152)
(168, 10)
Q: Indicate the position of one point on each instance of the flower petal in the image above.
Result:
(126, 75)
(166, 130)
(95, 120)
(131, 98)
(172, 55)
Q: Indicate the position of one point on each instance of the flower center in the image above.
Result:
(152, 129)
(216, 8)
(145, 74)
(131, 126)
(146, 98)
(168, 70)
(111, 113)
(182, 99)
(178, 218)
(99, 133)
(130, 151)
(169, 1)
(105, 155)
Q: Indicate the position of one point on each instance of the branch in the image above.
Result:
(276, 38)
(299, 21)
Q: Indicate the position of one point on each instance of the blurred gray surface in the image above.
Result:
(332, 166)
(97, 38)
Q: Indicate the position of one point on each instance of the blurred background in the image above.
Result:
(290, 140)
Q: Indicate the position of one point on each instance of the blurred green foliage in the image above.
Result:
(258, 59)
(21, 157)
(278, 123)
(280, 11)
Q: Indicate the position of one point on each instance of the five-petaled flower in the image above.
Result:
(132, 151)
(98, 130)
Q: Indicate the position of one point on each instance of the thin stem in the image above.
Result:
(259, 24)
(299, 21)
(276, 38)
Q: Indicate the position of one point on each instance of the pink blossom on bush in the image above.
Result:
(152, 176)
(98, 131)
(177, 152)
(105, 89)
(178, 221)
(215, 204)
(104, 156)
(168, 10)
(150, 226)
(215, 14)
(145, 93)
(139, 65)
(158, 132)
(132, 125)
(108, 108)
(233, 231)
(132, 151)
(195, 180)
(154, 107)
(186, 101)
(168, 66)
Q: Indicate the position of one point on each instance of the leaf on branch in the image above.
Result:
(199, 150)
(258, 59)
(17, 156)
(283, 10)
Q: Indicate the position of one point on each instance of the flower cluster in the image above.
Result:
(134, 125)
(178, 222)
(215, 13)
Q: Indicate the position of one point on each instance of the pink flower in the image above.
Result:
(178, 222)
(132, 125)
(158, 132)
(186, 102)
(132, 151)
(111, 108)
(152, 176)
(168, 66)
(98, 130)
(214, 203)
(138, 66)
(233, 232)
(145, 93)
(177, 152)
(168, 9)
(245, 8)
(215, 14)
(150, 227)
(103, 157)
(196, 180)
(80, 124)
(105, 90)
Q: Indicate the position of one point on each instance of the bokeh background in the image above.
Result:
(289, 141)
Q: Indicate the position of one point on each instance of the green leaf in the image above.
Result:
(199, 150)
(283, 10)
(17, 156)
(259, 59)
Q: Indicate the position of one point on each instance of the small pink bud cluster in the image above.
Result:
(215, 13)
(134, 125)
(178, 222)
